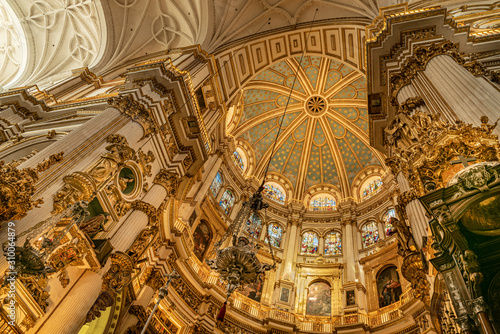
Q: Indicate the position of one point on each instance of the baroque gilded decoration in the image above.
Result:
(136, 111)
(81, 186)
(115, 279)
(421, 56)
(17, 187)
(424, 146)
(169, 180)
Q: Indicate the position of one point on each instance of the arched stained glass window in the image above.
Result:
(333, 244)
(274, 192)
(372, 188)
(275, 232)
(389, 229)
(254, 225)
(310, 243)
(227, 201)
(238, 160)
(370, 234)
(216, 184)
(322, 203)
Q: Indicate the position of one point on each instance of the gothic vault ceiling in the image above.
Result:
(324, 136)
(43, 41)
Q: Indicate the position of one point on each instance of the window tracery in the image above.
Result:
(275, 232)
(389, 229)
(322, 203)
(254, 225)
(371, 189)
(274, 192)
(310, 243)
(238, 161)
(333, 244)
(370, 234)
(227, 201)
(216, 184)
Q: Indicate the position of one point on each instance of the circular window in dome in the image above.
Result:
(316, 105)
(322, 202)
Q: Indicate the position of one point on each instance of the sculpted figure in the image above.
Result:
(488, 128)
(472, 272)
(95, 224)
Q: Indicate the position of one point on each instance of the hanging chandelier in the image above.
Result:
(237, 264)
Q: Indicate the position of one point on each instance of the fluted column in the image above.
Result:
(143, 299)
(82, 296)
(381, 229)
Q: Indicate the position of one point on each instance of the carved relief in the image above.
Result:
(136, 111)
(424, 147)
(422, 55)
(17, 186)
(169, 180)
(116, 278)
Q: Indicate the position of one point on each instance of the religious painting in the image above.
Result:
(285, 295)
(126, 181)
(201, 238)
(253, 290)
(319, 300)
(388, 286)
(310, 243)
(350, 298)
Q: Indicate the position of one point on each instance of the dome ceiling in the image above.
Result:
(324, 139)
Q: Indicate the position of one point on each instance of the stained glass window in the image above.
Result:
(227, 201)
(274, 235)
(216, 184)
(325, 203)
(238, 160)
(254, 224)
(389, 229)
(333, 244)
(372, 188)
(274, 193)
(370, 234)
(310, 243)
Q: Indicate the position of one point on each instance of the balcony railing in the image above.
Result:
(304, 323)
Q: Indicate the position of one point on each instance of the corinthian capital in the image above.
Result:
(169, 180)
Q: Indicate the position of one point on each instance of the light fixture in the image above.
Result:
(237, 264)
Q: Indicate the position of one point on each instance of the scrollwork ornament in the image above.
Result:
(464, 323)
(478, 305)
(169, 180)
(136, 111)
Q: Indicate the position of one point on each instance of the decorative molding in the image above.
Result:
(136, 111)
(17, 187)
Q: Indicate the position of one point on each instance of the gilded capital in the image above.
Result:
(136, 111)
(169, 180)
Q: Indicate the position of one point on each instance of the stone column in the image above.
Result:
(414, 210)
(82, 296)
(321, 247)
(381, 229)
(143, 299)
(348, 253)
(290, 251)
